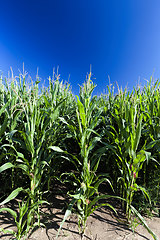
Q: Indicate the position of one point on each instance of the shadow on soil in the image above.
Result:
(52, 216)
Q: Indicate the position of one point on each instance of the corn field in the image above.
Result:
(89, 143)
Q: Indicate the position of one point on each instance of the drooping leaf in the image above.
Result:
(6, 166)
(142, 220)
(56, 149)
(12, 196)
(13, 213)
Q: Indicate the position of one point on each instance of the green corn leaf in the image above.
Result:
(63, 120)
(67, 214)
(142, 220)
(20, 155)
(138, 133)
(81, 111)
(56, 149)
(79, 206)
(105, 196)
(151, 144)
(4, 107)
(13, 213)
(28, 141)
(78, 195)
(10, 146)
(145, 192)
(6, 231)
(12, 196)
(140, 158)
(101, 205)
(96, 185)
(39, 202)
(24, 167)
(6, 166)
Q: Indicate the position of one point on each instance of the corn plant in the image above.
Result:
(128, 148)
(28, 145)
(86, 196)
(23, 220)
(129, 156)
(152, 133)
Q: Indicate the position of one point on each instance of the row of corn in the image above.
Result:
(47, 134)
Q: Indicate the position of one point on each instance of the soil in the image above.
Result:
(101, 225)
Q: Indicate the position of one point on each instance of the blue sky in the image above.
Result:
(118, 38)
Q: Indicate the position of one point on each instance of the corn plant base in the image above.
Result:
(100, 225)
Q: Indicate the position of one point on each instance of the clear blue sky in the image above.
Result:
(119, 38)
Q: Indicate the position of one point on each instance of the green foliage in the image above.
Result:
(86, 141)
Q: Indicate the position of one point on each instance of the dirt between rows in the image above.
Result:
(101, 225)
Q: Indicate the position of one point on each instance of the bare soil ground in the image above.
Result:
(101, 225)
